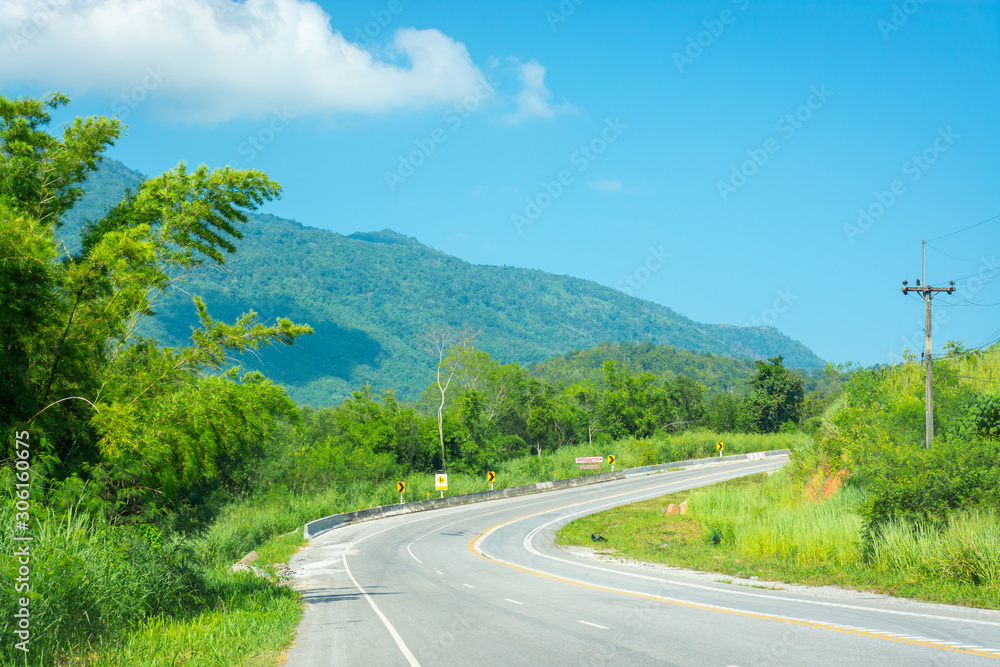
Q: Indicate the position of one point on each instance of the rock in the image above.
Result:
(249, 558)
(672, 509)
(684, 506)
(244, 565)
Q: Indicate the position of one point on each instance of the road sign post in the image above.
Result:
(400, 489)
(611, 461)
(491, 477)
(587, 463)
(441, 483)
(718, 448)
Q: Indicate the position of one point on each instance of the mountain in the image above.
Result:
(370, 295)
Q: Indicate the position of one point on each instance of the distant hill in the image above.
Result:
(370, 295)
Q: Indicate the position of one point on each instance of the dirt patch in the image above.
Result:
(833, 483)
(825, 483)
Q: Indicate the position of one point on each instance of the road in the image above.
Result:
(484, 584)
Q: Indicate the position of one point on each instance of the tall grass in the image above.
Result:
(966, 549)
(89, 580)
(772, 520)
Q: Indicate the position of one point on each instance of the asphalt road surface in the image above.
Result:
(484, 584)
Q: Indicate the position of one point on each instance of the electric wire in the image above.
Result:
(964, 229)
(941, 252)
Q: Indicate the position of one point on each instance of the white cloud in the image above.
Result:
(616, 186)
(602, 185)
(533, 100)
(217, 59)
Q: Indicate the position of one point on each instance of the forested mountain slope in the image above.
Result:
(369, 296)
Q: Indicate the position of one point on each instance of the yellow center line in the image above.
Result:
(473, 547)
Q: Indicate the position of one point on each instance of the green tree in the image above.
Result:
(632, 405)
(775, 400)
(721, 412)
(105, 400)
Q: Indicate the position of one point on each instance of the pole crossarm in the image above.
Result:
(926, 290)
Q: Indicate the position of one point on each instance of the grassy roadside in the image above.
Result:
(642, 532)
(250, 621)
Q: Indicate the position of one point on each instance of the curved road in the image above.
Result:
(483, 584)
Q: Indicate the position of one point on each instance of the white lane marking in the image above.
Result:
(404, 649)
(448, 525)
(595, 625)
(839, 605)
(514, 601)
(734, 610)
(467, 585)
(530, 548)
(410, 658)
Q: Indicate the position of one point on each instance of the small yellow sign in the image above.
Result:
(611, 459)
(719, 446)
(400, 487)
(441, 482)
(491, 477)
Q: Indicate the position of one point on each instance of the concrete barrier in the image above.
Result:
(314, 528)
(645, 470)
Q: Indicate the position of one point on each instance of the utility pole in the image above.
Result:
(928, 293)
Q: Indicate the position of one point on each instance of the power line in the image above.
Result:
(986, 281)
(966, 302)
(964, 229)
(941, 252)
(969, 377)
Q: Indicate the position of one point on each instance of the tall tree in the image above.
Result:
(776, 398)
(446, 345)
(71, 362)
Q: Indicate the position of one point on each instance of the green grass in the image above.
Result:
(250, 621)
(761, 526)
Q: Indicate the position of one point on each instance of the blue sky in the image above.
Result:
(740, 161)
